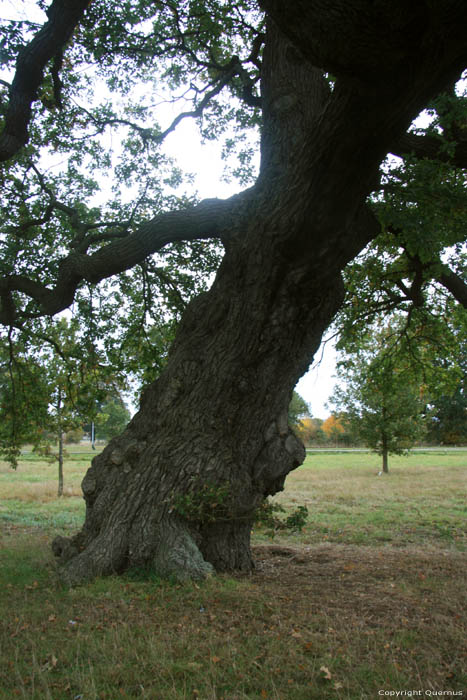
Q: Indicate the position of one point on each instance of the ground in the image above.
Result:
(317, 619)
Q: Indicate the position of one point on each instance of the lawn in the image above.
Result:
(370, 598)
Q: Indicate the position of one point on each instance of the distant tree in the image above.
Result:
(112, 418)
(24, 400)
(447, 415)
(381, 397)
(310, 431)
(75, 387)
(74, 436)
(336, 429)
(447, 418)
(298, 409)
(48, 388)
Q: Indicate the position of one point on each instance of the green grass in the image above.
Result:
(422, 501)
(370, 596)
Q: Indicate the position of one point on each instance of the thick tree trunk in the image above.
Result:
(177, 491)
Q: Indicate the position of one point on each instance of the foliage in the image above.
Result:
(49, 385)
(309, 430)
(24, 395)
(383, 398)
(74, 437)
(298, 409)
(266, 516)
(447, 418)
(204, 503)
(112, 418)
(209, 503)
(337, 429)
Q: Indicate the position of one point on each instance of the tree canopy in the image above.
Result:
(85, 165)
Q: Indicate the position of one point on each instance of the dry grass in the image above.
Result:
(421, 502)
(328, 621)
(353, 476)
(43, 492)
(37, 479)
(370, 597)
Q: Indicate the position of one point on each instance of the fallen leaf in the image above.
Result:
(264, 693)
(337, 685)
(295, 634)
(215, 659)
(326, 672)
(349, 567)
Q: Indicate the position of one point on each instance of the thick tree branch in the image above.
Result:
(207, 220)
(48, 43)
(366, 41)
(454, 284)
(431, 147)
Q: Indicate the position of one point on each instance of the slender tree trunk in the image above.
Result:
(60, 464)
(60, 444)
(384, 442)
(177, 491)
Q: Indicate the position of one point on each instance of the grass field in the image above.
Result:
(369, 599)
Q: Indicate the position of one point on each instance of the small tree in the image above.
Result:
(24, 399)
(48, 387)
(382, 400)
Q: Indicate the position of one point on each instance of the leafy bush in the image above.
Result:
(266, 516)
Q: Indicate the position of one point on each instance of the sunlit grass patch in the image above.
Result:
(59, 515)
(422, 500)
(36, 479)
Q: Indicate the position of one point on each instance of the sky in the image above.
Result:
(204, 162)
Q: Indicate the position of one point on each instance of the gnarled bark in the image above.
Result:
(178, 489)
(217, 418)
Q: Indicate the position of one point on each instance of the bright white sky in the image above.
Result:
(204, 161)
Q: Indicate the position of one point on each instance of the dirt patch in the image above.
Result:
(386, 581)
(395, 594)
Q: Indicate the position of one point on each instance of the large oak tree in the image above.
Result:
(335, 87)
